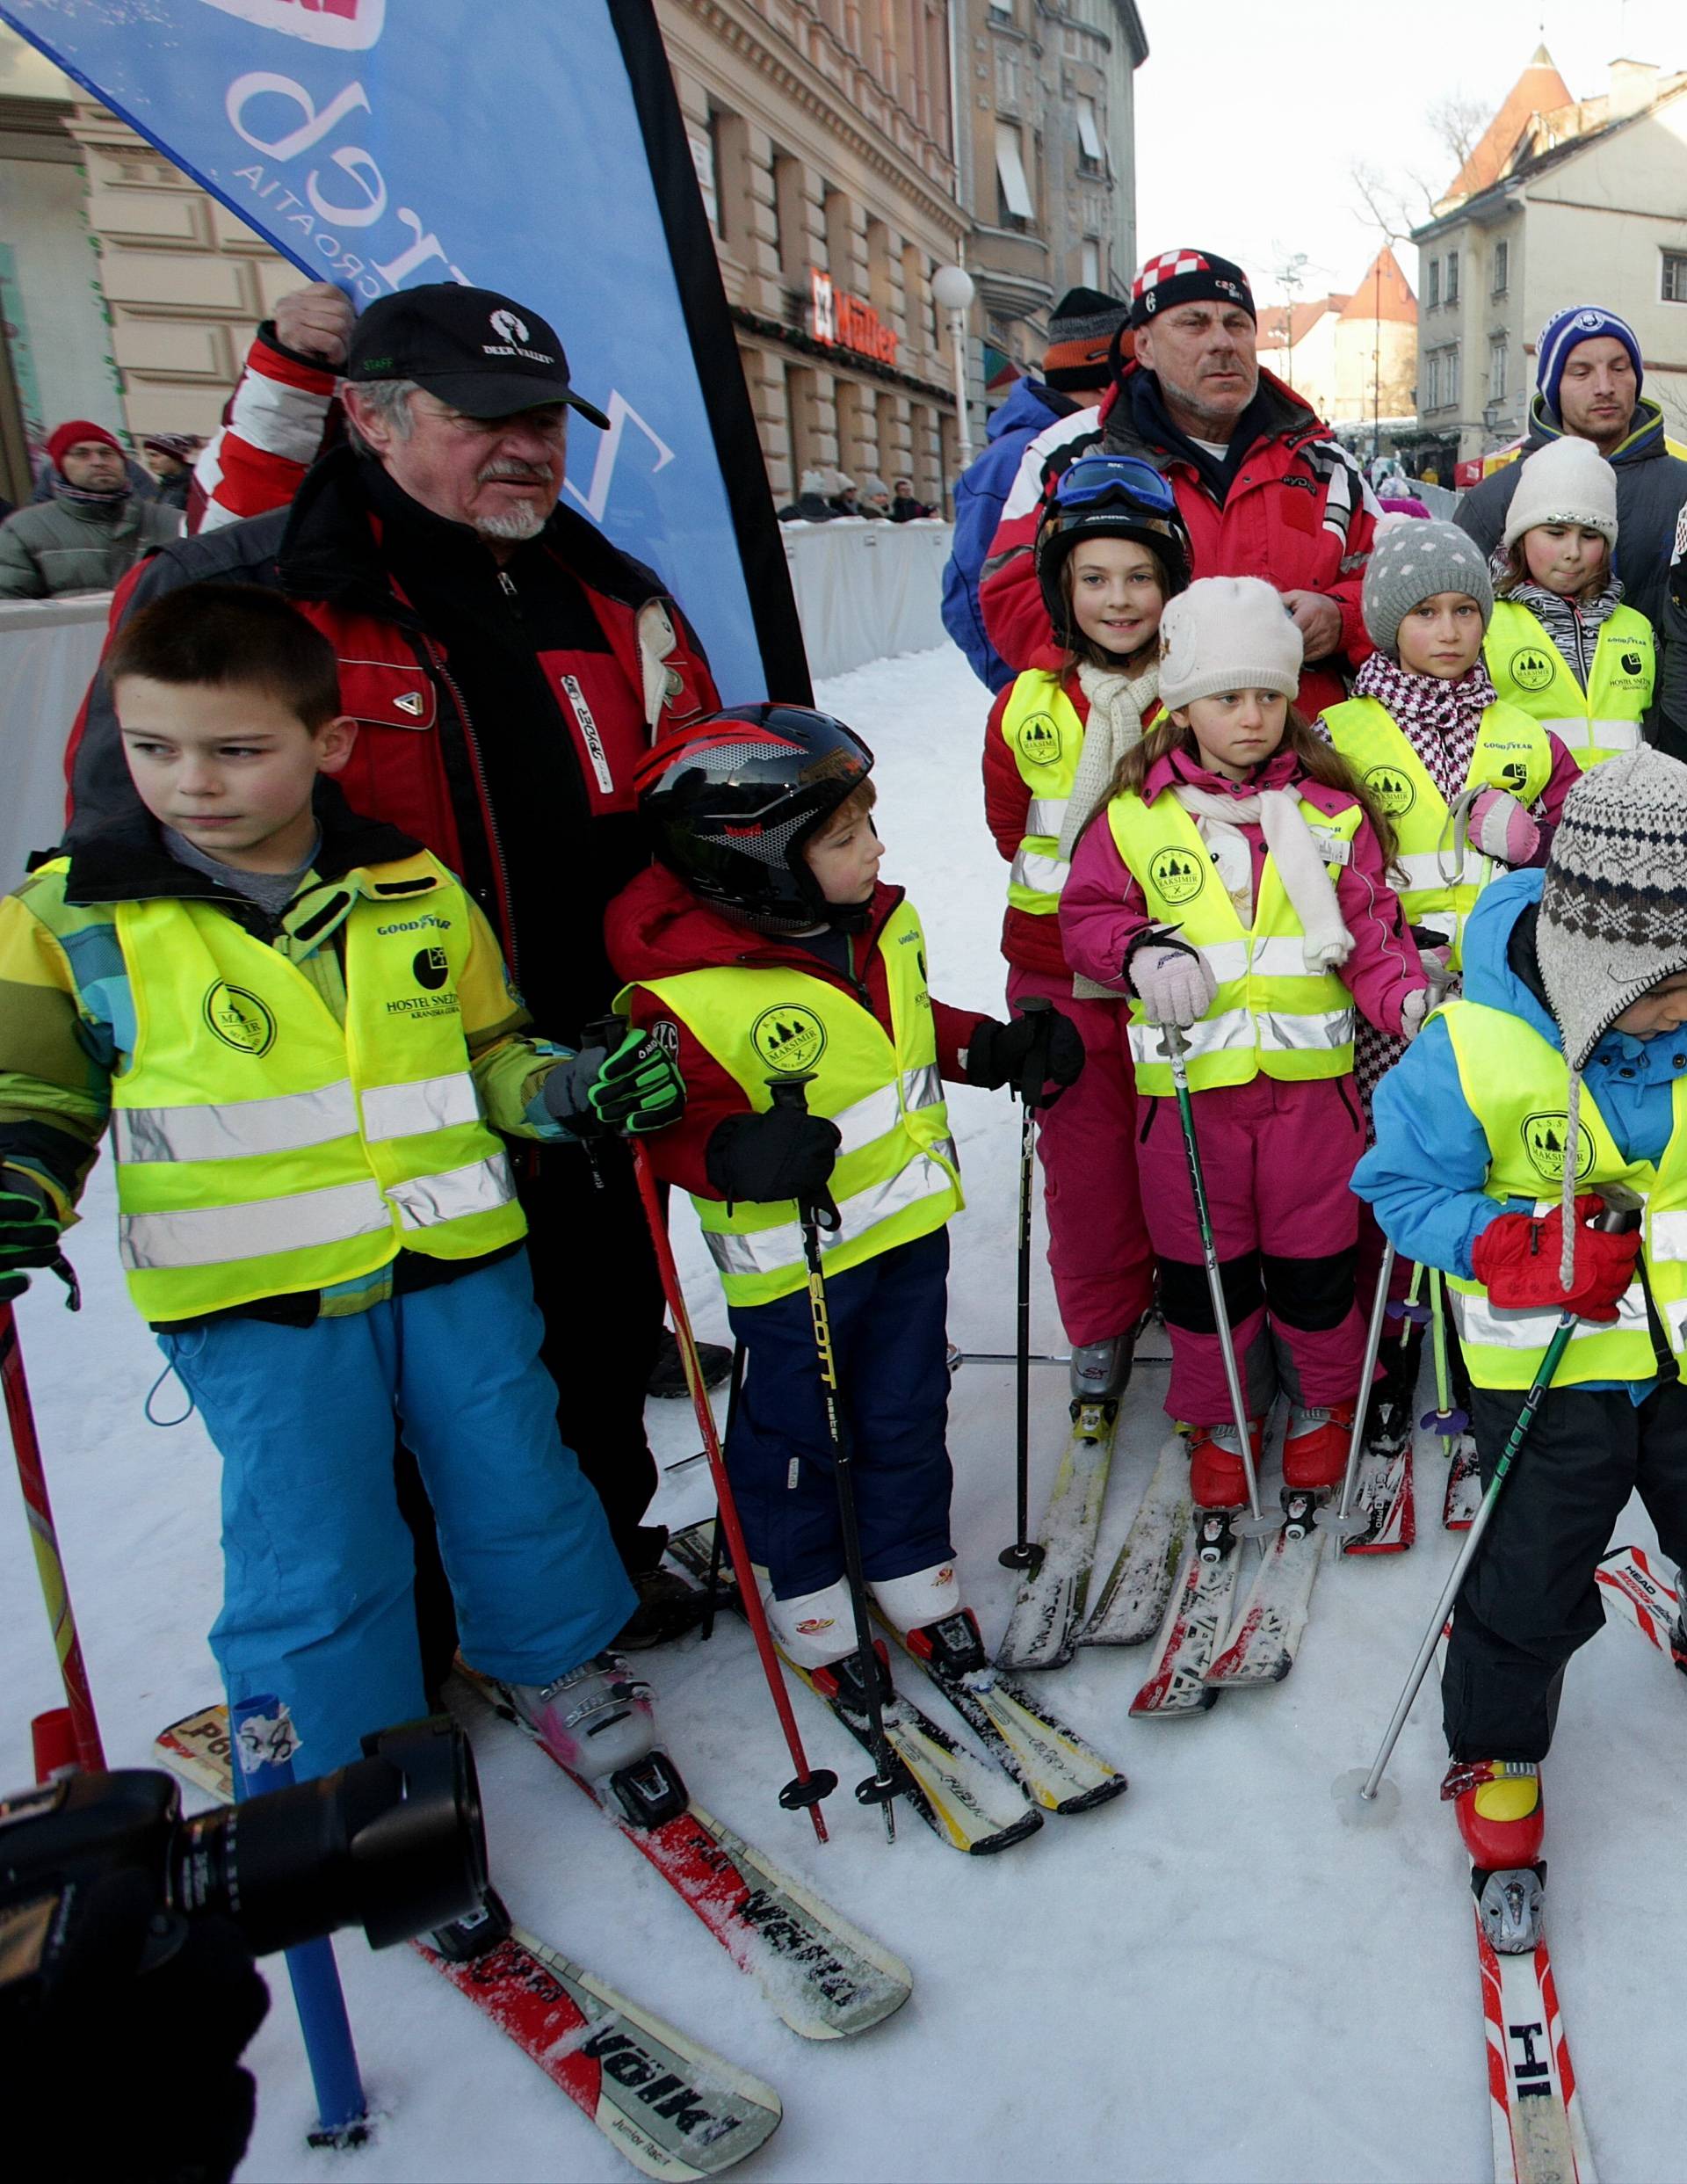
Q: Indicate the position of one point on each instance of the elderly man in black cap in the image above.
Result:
(508, 667)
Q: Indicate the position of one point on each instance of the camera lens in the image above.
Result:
(394, 1843)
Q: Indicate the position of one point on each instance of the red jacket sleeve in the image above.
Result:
(1361, 537)
(1384, 967)
(1103, 913)
(273, 428)
(1007, 799)
(1549, 806)
(954, 1028)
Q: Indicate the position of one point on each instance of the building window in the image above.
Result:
(1013, 196)
(1432, 380)
(1675, 277)
(1497, 358)
(702, 143)
(1090, 262)
(1090, 134)
(1450, 375)
(1501, 267)
(1432, 286)
(1453, 276)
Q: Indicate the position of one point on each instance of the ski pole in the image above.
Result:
(1359, 1790)
(50, 1562)
(1024, 1553)
(881, 1788)
(811, 1784)
(1415, 1312)
(1445, 1419)
(1341, 1523)
(1177, 1047)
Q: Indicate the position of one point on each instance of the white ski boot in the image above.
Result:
(597, 1719)
(1100, 1370)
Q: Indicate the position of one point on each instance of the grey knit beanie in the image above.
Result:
(1411, 563)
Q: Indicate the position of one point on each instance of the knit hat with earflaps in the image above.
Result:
(1568, 481)
(1613, 913)
(1412, 562)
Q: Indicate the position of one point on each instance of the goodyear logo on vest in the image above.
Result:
(1177, 875)
(1531, 668)
(789, 1039)
(239, 1019)
(1393, 789)
(1039, 739)
(1544, 1139)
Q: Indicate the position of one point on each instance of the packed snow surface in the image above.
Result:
(1211, 1979)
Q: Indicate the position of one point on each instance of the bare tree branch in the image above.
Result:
(1458, 121)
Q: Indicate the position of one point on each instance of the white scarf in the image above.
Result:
(1327, 942)
(1117, 704)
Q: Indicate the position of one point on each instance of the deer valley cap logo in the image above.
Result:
(238, 1017)
(508, 327)
(1392, 788)
(1544, 1139)
(789, 1039)
(350, 25)
(1039, 739)
(1531, 667)
(1178, 873)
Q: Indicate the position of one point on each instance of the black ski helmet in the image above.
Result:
(730, 801)
(1108, 496)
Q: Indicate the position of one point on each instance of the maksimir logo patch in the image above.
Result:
(1544, 1137)
(1039, 739)
(1531, 668)
(239, 1019)
(1178, 873)
(789, 1039)
(1392, 788)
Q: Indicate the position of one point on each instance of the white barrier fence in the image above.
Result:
(866, 590)
(48, 648)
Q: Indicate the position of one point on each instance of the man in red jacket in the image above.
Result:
(1262, 487)
(507, 666)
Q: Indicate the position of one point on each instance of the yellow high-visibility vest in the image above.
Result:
(897, 1175)
(1042, 730)
(262, 1146)
(1529, 669)
(1512, 752)
(1268, 1013)
(1516, 1085)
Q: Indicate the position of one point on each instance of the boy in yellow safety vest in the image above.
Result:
(300, 1033)
(763, 948)
(1561, 1072)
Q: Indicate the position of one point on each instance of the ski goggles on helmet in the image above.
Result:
(1094, 479)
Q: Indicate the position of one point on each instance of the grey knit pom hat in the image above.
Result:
(1411, 563)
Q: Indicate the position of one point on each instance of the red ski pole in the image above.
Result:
(21, 1418)
(811, 1784)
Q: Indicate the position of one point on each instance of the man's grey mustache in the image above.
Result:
(515, 473)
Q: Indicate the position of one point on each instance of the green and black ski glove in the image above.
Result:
(29, 1233)
(636, 1088)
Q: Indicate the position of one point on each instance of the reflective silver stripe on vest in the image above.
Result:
(864, 1120)
(236, 1129)
(1226, 959)
(1282, 956)
(1316, 1031)
(1482, 1322)
(1676, 1316)
(426, 1200)
(1228, 1030)
(1422, 869)
(1047, 815)
(1043, 875)
(1668, 1237)
(215, 1235)
(1614, 735)
(431, 1103)
(772, 1251)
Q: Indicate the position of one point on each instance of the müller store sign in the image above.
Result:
(842, 323)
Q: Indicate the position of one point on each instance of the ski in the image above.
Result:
(1052, 1594)
(1629, 1580)
(1058, 1769)
(673, 2108)
(1464, 1495)
(1176, 1681)
(1538, 2134)
(1134, 1601)
(966, 1802)
(1260, 1649)
(1383, 1492)
(823, 1975)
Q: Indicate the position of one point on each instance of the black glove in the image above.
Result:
(29, 1233)
(92, 1999)
(637, 1088)
(1025, 1055)
(763, 1158)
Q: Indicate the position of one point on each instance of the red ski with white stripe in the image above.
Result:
(1539, 2137)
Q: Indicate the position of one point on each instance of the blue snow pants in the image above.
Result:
(888, 1318)
(317, 1562)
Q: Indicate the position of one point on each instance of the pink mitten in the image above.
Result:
(1173, 984)
(1501, 828)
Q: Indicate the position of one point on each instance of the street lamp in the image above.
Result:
(952, 288)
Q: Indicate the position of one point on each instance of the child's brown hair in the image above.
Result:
(1516, 573)
(1081, 650)
(859, 802)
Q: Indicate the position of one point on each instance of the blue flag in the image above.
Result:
(527, 146)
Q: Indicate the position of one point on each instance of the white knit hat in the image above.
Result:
(1568, 481)
(1227, 633)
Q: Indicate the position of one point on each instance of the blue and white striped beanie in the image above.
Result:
(1565, 331)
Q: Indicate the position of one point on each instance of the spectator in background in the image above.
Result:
(811, 504)
(903, 506)
(93, 529)
(1074, 377)
(172, 456)
(841, 494)
(873, 499)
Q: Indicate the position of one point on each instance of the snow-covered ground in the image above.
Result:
(1211, 1978)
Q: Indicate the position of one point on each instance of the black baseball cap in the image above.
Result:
(481, 352)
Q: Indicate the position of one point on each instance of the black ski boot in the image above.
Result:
(459, 1940)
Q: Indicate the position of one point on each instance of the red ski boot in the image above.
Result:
(1216, 1477)
(1314, 1452)
(1497, 1803)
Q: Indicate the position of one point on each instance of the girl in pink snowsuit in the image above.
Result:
(1235, 884)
